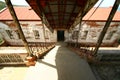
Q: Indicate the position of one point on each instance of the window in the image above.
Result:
(75, 35)
(84, 34)
(46, 34)
(18, 34)
(36, 34)
(9, 32)
(110, 34)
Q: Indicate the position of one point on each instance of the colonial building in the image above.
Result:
(34, 30)
(82, 30)
(92, 25)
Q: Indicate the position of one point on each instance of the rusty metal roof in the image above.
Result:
(60, 14)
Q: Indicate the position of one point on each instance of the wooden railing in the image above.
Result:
(39, 49)
(83, 50)
(12, 58)
(104, 57)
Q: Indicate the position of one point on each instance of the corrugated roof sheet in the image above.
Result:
(101, 14)
(23, 13)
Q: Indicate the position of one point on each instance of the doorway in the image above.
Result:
(60, 35)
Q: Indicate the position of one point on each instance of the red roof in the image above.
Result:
(23, 13)
(101, 14)
(26, 13)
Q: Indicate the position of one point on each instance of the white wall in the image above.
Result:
(94, 29)
(93, 33)
(28, 32)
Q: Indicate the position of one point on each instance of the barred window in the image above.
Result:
(36, 34)
(75, 34)
(84, 35)
(110, 34)
(9, 32)
(18, 34)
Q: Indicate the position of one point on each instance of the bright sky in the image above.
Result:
(106, 3)
(17, 2)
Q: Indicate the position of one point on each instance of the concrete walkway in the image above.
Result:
(60, 64)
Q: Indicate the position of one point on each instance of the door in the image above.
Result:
(60, 35)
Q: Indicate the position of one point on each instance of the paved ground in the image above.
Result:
(12, 73)
(59, 64)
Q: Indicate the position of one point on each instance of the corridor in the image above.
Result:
(60, 64)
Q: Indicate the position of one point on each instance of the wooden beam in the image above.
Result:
(13, 14)
(42, 15)
(44, 32)
(79, 30)
(111, 15)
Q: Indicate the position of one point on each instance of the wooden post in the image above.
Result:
(42, 16)
(44, 33)
(13, 14)
(111, 15)
(79, 28)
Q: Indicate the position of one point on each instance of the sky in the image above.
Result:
(106, 3)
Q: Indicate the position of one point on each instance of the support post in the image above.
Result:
(44, 33)
(79, 28)
(13, 14)
(111, 15)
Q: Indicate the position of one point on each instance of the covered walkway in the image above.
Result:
(60, 64)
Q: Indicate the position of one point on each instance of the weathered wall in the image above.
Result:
(33, 31)
(90, 31)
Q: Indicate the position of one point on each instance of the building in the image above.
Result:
(66, 19)
(92, 25)
(33, 28)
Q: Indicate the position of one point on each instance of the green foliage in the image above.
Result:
(1, 40)
(2, 5)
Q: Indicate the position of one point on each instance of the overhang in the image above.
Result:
(60, 14)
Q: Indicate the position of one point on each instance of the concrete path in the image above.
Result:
(12, 73)
(60, 64)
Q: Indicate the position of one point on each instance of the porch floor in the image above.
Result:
(59, 64)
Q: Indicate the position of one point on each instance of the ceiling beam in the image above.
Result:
(51, 15)
(59, 13)
(40, 12)
(64, 11)
(71, 15)
(103, 32)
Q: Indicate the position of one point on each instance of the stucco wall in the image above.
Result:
(30, 28)
(90, 31)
